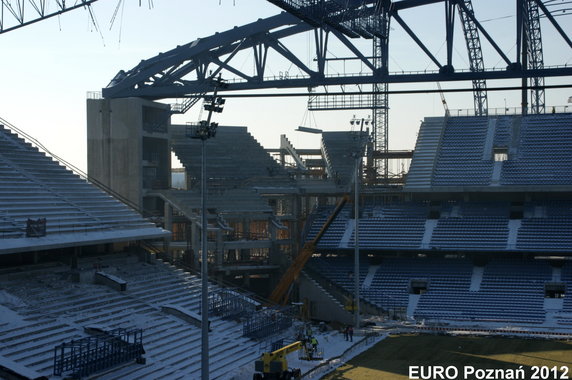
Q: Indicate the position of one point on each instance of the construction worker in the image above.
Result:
(314, 342)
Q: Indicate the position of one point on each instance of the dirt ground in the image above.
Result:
(401, 358)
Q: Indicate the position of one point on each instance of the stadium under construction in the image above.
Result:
(103, 275)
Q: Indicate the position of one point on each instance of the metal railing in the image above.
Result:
(92, 354)
(508, 111)
(265, 323)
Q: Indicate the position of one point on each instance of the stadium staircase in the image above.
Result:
(424, 156)
(337, 297)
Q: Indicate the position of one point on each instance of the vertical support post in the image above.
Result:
(450, 24)
(168, 225)
(195, 242)
(356, 234)
(380, 109)
(205, 131)
(204, 268)
(219, 252)
(522, 49)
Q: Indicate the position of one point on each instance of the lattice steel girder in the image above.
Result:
(14, 14)
(170, 74)
(476, 61)
(172, 66)
(193, 87)
(535, 55)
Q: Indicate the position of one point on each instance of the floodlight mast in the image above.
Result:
(358, 154)
(204, 131)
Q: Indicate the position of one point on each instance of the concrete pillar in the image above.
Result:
(274, 255)
(195, 243)
(74, 258)
(74, 266)
(168, 223)
(297, 213)
(246, 227)
(245, 254)
(219, 252)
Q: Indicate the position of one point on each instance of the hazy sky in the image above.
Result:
(47, 68)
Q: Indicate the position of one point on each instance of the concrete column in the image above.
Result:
(168, 223)
(74, 258)
(246, 227)
(219, 252)
(245, 253)
(273, 255)
(298, 226)
(195, 242)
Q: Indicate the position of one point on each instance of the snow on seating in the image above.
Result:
(46, 309)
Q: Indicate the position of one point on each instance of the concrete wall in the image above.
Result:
(115, 144)
(322, 305)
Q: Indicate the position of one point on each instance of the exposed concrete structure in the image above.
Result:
(257, 204)
(128, 147)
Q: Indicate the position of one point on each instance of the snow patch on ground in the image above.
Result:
(336, 352)
(11, 300)
(10, 318)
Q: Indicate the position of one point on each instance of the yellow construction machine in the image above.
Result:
(274, 365)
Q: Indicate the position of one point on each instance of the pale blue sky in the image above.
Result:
(48, 67)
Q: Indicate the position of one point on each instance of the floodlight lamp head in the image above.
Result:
(352, 122)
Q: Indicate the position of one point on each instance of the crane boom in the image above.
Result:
(280, 294)
(445, 106)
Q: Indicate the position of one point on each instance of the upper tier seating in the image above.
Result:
(462, 152)
(232, 154)
(33, 186)
(453, 225)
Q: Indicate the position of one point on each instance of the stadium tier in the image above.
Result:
(42, 309)
(233, 155)
(461, 226)
(71, 211)
(504, 290)
(338, 150)
(484, 197)
(504, 153)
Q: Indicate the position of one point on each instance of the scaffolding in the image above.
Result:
(266, 323)
(93, 354)
(228, 304)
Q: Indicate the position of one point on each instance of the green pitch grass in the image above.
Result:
(390, 359)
